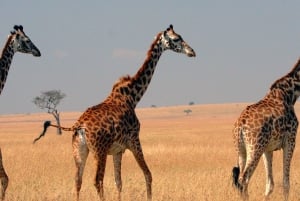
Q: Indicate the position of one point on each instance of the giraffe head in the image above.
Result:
(174, 41)
(22, 43)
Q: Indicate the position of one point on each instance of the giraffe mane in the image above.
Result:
(295, 68)
(289, 74)
(12, 33)
(122, 80)
(157, 38)
(10, 37)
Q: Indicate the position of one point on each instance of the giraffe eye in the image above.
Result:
(176, 40)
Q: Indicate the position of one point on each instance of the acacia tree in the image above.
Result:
(49, 100)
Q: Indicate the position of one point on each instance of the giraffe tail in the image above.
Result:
(46, 125)
(235, 178)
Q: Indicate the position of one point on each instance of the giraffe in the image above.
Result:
(266, 126)
(17, 41)
(112, 126)
(3, 179)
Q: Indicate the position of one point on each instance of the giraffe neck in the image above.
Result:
(2, 170)
(287, 88)
(5, 62)
(286, 91)
(142, 79)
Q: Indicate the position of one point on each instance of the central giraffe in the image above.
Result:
(264, 127)
(17, 41)
(112, 126)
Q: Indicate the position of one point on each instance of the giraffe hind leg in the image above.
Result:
(267, 158)
(251, 164)
(80, 154)
(236, 171)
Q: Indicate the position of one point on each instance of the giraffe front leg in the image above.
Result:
(117, 158)
(3, 179)
(3, 185)
(136, 149)
(80, 154)
(268, 158)
(287, 157)
(100, 170)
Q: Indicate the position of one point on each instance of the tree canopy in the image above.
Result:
(49, 100)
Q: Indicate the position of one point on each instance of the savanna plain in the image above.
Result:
(190, 156)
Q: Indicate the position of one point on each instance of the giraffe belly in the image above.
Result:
(116, 148)
(274, 145)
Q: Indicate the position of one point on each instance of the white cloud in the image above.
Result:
(125, 53)
(61, 54)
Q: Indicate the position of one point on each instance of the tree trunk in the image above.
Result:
(56, 116)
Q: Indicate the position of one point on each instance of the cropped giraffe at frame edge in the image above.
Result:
(17, 41)
(266, 126)
(112, 126)
(3, 179)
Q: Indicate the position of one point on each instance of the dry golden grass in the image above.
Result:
(190, 157)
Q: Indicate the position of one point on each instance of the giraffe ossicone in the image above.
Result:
(17, 41)
(266, 126)
(112, 126)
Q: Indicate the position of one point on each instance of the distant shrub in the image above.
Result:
(188, 111)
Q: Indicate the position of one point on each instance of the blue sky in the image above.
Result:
(242, 48)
